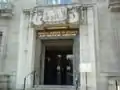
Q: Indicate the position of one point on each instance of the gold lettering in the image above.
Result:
(57, 33)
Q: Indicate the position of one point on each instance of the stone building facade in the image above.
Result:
(96, 46)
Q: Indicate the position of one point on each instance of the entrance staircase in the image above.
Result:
(44, 87)
(49, 87)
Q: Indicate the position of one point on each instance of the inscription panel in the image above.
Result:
(57, 33)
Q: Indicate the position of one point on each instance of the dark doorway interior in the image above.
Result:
(58, 66)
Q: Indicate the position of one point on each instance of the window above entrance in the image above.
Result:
(3, 1)
(59, 2)
(53, 2)
(6, 8)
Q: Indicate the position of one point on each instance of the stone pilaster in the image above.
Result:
(26, 51)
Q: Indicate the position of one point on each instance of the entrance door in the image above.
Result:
(58, 66)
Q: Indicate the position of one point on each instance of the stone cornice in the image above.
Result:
(6, 10)
(114, 5)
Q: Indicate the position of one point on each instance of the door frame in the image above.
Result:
(42, 65)
(42, 56)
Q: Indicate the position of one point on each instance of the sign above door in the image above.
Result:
(57, 33)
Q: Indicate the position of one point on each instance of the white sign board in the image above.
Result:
(85, 67)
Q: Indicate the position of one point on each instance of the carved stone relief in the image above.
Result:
(114, 5)
(55, 15)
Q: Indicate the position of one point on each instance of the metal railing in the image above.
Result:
(77, 81)
(33, 73)
(35, 80)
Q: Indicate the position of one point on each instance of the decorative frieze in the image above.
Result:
(114, 5)
(55, 15)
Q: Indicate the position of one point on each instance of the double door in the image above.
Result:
(58, 68)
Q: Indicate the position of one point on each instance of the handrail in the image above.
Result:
(34, 79)
(32, 73)
(77, 81)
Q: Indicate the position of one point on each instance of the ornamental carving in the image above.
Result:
(55, 15)
(114, 5)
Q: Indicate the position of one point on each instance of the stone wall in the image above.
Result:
(13, 35)
(10, 61)
(4, 82)
(107, 36)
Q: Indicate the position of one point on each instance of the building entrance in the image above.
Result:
(58, 65)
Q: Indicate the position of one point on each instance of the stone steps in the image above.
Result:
(52, 88)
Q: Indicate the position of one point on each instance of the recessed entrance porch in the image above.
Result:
(55, 60)
(58, 69)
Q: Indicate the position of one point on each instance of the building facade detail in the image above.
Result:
(6, 9)
(55, 15)
(35, 54)
(88, 32)
(3, 39)
(114, 5)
